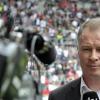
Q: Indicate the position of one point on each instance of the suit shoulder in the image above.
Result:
(66, 88)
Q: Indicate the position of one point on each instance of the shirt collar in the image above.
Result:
(84, 88)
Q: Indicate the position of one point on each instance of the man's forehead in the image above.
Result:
(90, 33)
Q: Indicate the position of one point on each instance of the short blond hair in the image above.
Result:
(93, 24)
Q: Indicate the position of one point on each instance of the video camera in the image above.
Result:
(14, 59)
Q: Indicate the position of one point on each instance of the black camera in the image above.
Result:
(13, 59)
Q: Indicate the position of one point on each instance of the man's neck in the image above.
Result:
(92, 83)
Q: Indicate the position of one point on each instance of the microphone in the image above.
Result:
(90, 96)
(44, 50)
(36, 45)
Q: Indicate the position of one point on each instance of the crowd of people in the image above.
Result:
(58, 21)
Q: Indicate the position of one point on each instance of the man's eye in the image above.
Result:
(98, 49)
(86, 49)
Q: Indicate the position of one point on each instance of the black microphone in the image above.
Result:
(90, 96)
(44, 50)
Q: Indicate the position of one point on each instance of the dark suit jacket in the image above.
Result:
(70, 91)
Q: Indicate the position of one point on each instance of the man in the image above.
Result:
(89, 55)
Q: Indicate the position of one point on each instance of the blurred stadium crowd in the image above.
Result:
(57, 21)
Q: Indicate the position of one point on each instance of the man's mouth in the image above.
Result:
(94, 66)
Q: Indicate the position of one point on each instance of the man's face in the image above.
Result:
(89, 53)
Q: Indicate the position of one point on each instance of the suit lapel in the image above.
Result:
(75, 90)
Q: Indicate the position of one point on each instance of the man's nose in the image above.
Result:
(93, 55)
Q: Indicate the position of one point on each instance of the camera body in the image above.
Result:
(14, 81)
(13, 61)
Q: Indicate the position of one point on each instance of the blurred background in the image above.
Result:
(38, 45)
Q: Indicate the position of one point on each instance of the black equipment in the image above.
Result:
(90, 96)
(14, 59)
(44, 50)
